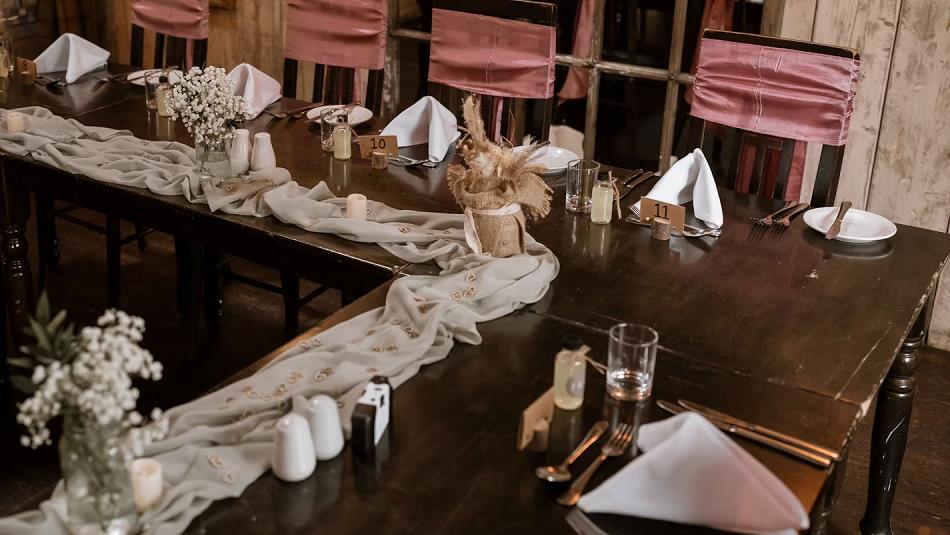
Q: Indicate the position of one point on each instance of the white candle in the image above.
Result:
(146, 483)
(16, 122)
(356, 206)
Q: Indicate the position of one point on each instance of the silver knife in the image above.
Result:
(713, 414)
(805, 455)
(836, 226)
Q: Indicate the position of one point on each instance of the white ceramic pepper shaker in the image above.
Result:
(324, 417)
(240, 151)
(262, 156)
(293, 458)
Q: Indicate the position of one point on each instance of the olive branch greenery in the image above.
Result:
(55, 341)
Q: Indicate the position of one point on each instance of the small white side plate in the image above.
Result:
(358, 115)
(174, 77)
(858, 226)
(554, 159)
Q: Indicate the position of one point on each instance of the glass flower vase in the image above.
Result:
(95, 463)
(213, 161)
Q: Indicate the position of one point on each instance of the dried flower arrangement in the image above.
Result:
(496, 187)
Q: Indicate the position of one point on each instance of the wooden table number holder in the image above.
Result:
(536, 422)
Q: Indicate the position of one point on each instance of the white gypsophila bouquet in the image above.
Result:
(206, 103)
(88, 375)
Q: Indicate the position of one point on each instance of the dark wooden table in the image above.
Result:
(785, 329)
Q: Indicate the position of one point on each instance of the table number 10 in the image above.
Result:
(370, 144)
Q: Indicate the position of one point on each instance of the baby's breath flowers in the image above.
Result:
(88, 375)
(206, 103)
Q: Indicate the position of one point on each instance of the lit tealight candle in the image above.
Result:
(146, 483)
(356, 206)
(16, 122)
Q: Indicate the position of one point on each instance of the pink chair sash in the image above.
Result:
(187, 19)
(343, 33)
(492, 56)
(804, 96)
(578, 78)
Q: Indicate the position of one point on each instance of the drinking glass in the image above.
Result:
(631, 356)
(151, 85)
(328, 119)
(581, 175)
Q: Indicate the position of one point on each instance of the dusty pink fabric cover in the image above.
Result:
(179, 18)
(492, 56)
(774, 91)
(343, 33)
(578, 78)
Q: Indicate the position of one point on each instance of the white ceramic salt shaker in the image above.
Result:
(356, 206)
(293, 458)
(325, 428)
(262, 156)
(240, 151)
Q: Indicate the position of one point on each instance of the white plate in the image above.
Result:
(858, 226)
(174, 77)
(358, 115)
(554, 159)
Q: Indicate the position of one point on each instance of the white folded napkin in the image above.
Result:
(690, 179)
(426, 121)
(692, 473)
(72, 54)
(258, 89)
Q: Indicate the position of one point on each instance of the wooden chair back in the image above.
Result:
(169, 50)
(519, 116)
(336, 85)
(762, 164)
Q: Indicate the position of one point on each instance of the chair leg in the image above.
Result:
(113, 259)
(290, 286)
(44, 220)
(182, 262)
(214, 303)
(143, 244)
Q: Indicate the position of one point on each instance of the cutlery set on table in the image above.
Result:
(624, 435)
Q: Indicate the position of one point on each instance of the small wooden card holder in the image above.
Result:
(26, 69)
(535, 423)
(660, 228)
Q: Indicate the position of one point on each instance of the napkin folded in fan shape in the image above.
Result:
(691, 179)
(692, 473)
(72, 54)
(426, 121)
(258, 89)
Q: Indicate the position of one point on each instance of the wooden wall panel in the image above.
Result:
(911, 177)
(870, 27)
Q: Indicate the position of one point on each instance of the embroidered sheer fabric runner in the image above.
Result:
(220, 443)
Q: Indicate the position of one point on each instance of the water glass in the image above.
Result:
(581, 175)
(151, 85)
(631, 356)
(328, 120)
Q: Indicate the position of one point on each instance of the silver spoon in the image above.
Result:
(560, 473)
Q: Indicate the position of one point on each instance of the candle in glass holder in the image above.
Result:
(16, 122)
(356, 206)
(379, 160)
(146, 483)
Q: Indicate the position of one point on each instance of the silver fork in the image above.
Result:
(619, 440)
(769, 219)
(408, 162)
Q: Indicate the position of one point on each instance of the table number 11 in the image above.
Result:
(650, 208)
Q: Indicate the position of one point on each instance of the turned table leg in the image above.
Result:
(18, 279)
(895, 400)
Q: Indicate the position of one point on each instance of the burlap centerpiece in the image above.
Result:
(496, 187)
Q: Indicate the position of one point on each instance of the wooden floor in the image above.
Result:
(252, 326)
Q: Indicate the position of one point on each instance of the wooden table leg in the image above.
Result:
(895, 400)
(18, 279)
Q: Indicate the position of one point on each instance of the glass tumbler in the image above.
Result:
(581, 175)
(151, 85)
(328, 122)
(631, 357)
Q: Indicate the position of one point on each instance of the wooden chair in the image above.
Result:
(336, 85)
(510, 116)
(765, 154)
(179, 51)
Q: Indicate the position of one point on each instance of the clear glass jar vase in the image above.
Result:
(95, 463)
(213, 161)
